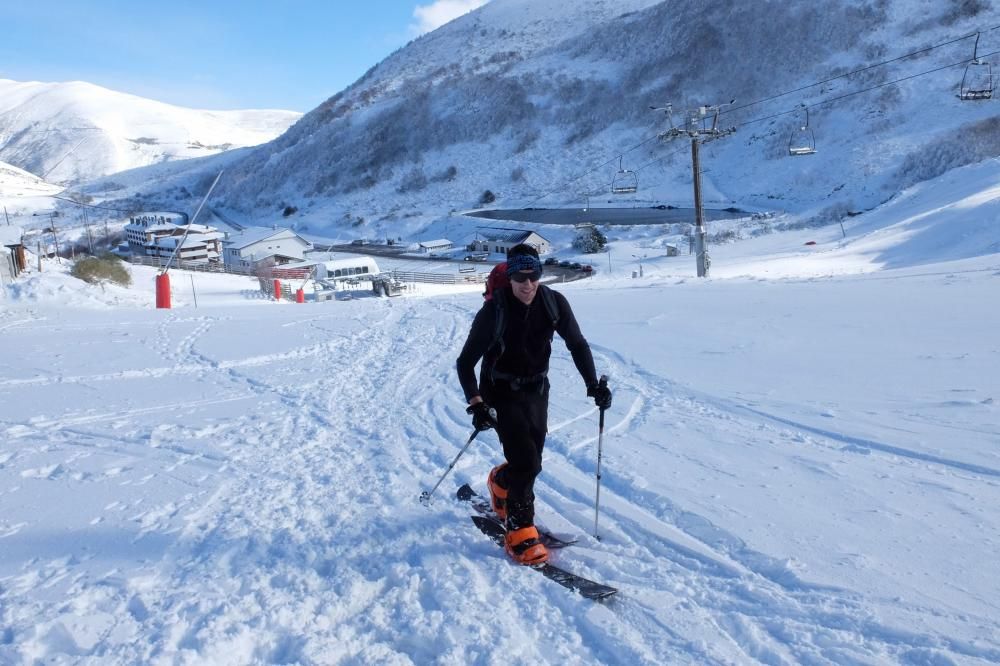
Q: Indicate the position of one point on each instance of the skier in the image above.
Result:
(512, 334)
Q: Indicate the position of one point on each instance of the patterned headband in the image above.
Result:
(523, 262)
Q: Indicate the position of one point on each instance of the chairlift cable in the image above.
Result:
(564, 186)
(863, 90)
(856, 71)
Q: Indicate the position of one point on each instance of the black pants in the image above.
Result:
(522, 422)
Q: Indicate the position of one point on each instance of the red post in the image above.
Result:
(300, 296)
(163, 291)
(277, 290)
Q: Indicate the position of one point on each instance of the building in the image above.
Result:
(257, 247)
(143, 228)
(200, 244)
(497, 240)
(159, 234)
(337, 265)
(12, 257)
(435, 246)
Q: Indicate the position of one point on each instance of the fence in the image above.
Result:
(438, 278)
(204, 267)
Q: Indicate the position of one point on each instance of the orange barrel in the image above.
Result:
(300, 296)
(277, 290)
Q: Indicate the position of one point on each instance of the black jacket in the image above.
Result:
(527, 341)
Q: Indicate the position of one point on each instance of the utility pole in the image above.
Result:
(86, 225)
(55, 238)
(702, 260)
(6, 215)
(696, 127)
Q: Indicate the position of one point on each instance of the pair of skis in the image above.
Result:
(490, 525)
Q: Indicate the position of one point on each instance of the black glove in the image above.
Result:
(600, 393)
(484, 417)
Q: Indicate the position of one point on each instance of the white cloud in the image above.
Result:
(433, 16)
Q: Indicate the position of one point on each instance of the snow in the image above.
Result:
(801, 465)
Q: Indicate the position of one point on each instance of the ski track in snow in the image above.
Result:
(270, 543)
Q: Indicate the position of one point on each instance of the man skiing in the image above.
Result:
(512, 333)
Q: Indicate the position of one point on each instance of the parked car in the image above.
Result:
(551, 261)
(576, 265)
(565, 263)
(587, 268)
(477, 256)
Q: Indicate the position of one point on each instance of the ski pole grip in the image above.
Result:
(603, 381)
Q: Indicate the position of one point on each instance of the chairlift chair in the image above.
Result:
(977, 81)
(802, 141)
(625, 181)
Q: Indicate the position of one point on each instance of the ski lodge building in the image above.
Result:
(258, 247)
(497, 240)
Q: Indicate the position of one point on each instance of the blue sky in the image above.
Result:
(220, 54)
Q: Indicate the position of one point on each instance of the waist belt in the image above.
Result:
(518, 382)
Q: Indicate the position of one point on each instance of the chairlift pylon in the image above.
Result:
(625, 181)
(977, 81)
(802, 140)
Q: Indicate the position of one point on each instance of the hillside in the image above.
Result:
(536, 102)
(15, 182)
(75, 131)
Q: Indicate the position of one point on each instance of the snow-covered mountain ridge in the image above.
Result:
(68, 132)
(536, 101)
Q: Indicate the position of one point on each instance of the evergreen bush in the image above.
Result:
(106, 268)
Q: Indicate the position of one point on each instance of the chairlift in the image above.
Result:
(625, 181)
(802, 141)
(977, 81)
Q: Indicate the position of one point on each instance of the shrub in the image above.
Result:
(590, 241)
(488, 197)
(289, 210)
(106, 268)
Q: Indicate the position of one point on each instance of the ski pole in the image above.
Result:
(600, 441)
(425, 497)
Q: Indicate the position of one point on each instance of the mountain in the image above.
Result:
(75, 131)
(537, 101)
(15, 182)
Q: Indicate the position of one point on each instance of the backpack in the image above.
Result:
(496, 281)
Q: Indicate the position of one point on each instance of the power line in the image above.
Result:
(80, 203)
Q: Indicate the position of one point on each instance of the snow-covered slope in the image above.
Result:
(801, 470)
(68, 132)
(15, 182)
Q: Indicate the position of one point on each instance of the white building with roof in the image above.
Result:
(158, 234)
(143, 228)
(498, 240)
(202, 243)
(257, 246)
(331, 266)
(439, 245)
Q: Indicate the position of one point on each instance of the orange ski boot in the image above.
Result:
(524, 546)
(498, 494)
